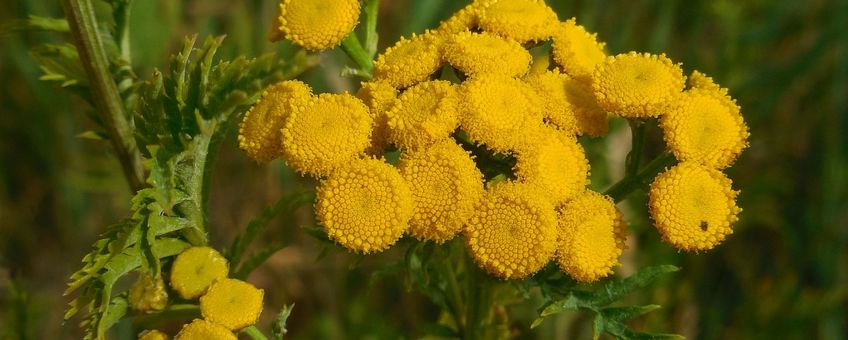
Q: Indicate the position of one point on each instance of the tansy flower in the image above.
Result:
(637, 85)
(693, 206)
(204, 330)
(195, 269)
(577, 51)
(152, 335)
(499, 111)
(259, 132)
(318, 24)
(705, 126)
(232, 303)
(592, 237)
(555, 166)
(591, 119)
(519, 20)
(379, 97)
(462, 20)
(445, 185)
(410, 61)
(329, 130)
(698, 80)
(513, 231)
(148, 294)
(423, 114)
(481, 53)
(551, 87)
(365, 205)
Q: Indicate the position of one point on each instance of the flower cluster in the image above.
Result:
(226, 304)
(472, 84)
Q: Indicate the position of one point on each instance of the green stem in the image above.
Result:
(107, 99)
(354, 50)
(478, 302)
(254, 333)
(371, 37)
(637, 141)
(630, 183)
(455, 302)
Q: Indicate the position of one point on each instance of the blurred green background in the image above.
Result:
(782, 274)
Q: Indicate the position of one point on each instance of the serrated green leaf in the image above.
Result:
(621, 331)
(614, 291)
(35, 23)
(288, 203)
(257, 259)
(597, 326)
(278, 328)
(625, 313)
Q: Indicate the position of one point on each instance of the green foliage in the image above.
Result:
(278, 328)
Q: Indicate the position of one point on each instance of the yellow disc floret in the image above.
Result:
(232, 303)
(330, 130)
(705, 126)
(555, 166)
(148, 294)
(153, 335)
(204, 330)
(365, 206)
(592, 237)
(637, 85)
(462, 20)
(498, 111)
(424, 114)
(592, 120)
(577, 50)
(481, 53)
(558, 111)
(693, 206)
(698, 80)
(445, 185)
(259, 132)
(195, 269)
(410, 61)
(513, 232)
(318, 24)
(519, 20)
(379, 97)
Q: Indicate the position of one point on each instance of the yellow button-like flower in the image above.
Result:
(577, 50)
(379, 97)
(637, 85)
(329, 130)
(513, 232)
(318, 24)
(693, 206)
(698, 80)
(551, 87)
(555, 166)
(259, 133)
(148, 294)
(410, 61)
(153, 335)
(424, 114)
(705, 126)
(462, 20)
(592, 235)
(445, 185)
(481, 53)
(232, 303)
(591, 119)
(519, 20)
(204, 330)
(365, 205)
(195, 269)
(498, 111)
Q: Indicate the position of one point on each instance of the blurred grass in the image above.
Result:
(783, 274)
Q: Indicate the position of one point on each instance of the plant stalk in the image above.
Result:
(254, 333)
(630, 183)
(354, 50)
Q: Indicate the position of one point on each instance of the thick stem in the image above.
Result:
(454, 293)
(354, 50)
(628, 184)
(83, 24)
(371, 37)
(637, 141)
(478, 302)
(254, 333)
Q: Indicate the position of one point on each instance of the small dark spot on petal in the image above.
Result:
(704, 225)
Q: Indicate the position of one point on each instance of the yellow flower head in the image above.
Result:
(592, 236)
(555, 166)
(410, 61)
(329, 130)
(591, 119)
(152, 335)
(477, 54)
(693, 206)
(698, 80)
(232, 303)
(498, 111)
(318, 24)
(204, 330)
(148, 294)
(551, 87)
(365, 205)
(705, 126)
(423, 114)
(637, 85)
(445, 185)
(379, 97)
(519, 20)
(259, 132)
(463, 20)
(513, 231)
(577, 50)
(195, 269)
